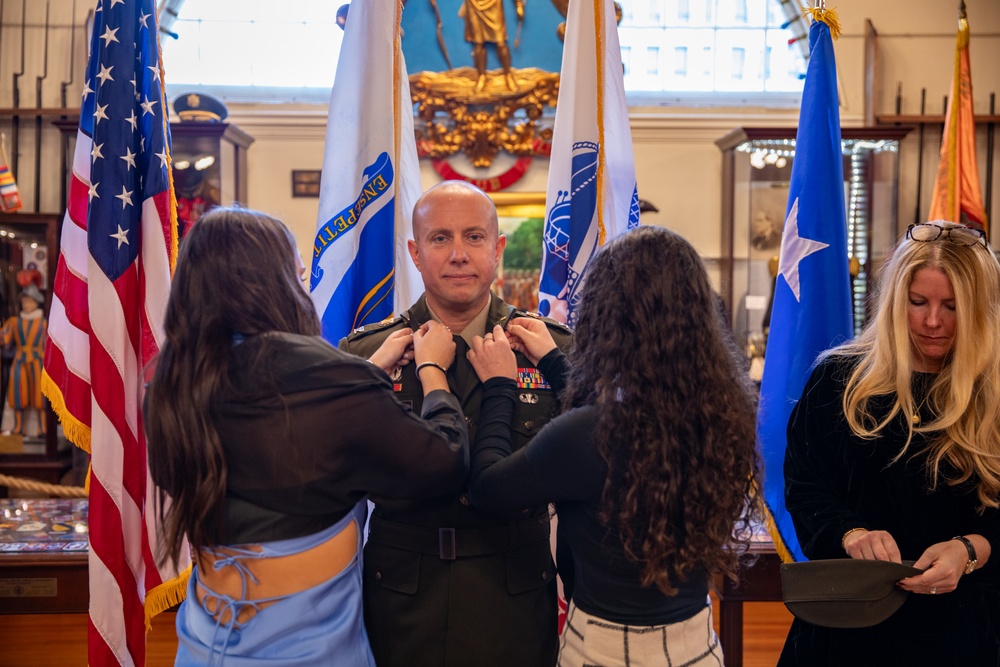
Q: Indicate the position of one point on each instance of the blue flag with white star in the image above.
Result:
(812, 298)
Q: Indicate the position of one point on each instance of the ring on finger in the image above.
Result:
(933, 590)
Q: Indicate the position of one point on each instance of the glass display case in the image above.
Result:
(209, 161)
(28, 440)
(757, 166)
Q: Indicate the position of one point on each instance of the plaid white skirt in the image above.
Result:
(588, 641)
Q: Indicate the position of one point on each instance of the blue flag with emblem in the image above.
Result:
(361, 270)
(812, 298)
(591, 195)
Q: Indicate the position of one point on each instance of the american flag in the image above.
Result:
(119, 243)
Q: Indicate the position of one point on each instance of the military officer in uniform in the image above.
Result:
(445, 584)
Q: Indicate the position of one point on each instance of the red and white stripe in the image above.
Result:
(101, 336)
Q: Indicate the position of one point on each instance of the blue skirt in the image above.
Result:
(322, 625)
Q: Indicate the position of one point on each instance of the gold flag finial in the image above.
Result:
(963, 25)
(823, 15)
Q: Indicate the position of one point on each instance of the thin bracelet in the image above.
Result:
(843, 540)
(432, 364)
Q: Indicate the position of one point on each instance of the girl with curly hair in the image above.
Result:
(651, 466)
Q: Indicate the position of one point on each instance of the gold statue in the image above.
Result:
(484, 24)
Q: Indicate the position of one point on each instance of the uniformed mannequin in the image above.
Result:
(445, 584)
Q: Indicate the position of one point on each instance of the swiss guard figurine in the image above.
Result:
(26, 332)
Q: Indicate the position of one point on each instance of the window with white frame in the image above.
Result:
(259, 48)
(256, 49)
(734, 46)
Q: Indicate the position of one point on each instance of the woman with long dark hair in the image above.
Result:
(651, 466)
(264, 441)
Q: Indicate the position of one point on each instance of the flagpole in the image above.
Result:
(396, 137)
(599, 53)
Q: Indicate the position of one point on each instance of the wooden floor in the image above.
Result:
(61, 639)
(34, 640)
(765, 625)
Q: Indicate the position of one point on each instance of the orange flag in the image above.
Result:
(956, 189)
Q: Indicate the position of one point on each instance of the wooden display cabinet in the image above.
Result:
(209, 167)
(209, 163)
(28, 242)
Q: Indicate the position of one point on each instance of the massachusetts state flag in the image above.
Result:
(812, 297)
(361, 269)
(591, 195)
(119, 243)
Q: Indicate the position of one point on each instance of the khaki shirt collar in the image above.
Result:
(496, 311)
(475, 328)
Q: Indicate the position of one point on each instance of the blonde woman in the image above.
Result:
(894, 454)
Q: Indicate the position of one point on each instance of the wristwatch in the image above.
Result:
(973, 559)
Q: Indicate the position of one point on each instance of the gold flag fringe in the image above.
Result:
(76, 431)
(827, 16)
(772, 528)
(779, 544)
(165, 596)
(174, 237)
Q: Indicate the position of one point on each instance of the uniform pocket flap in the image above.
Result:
(392, 569)
(529, 567)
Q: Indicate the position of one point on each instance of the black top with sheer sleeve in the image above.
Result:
(308, 430)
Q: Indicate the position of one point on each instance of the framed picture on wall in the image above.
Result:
(521, 217)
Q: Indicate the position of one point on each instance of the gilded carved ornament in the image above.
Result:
(478, 111)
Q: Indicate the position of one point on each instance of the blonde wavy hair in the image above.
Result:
(965, 396)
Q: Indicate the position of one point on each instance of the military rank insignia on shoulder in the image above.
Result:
(368, 329)
(549, 322)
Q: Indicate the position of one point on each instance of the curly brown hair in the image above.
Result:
(676, 411)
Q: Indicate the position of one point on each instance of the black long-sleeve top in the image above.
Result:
(835, 481)
(562, 464)
(308, 430)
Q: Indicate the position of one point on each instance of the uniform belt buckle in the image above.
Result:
(446, 543)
